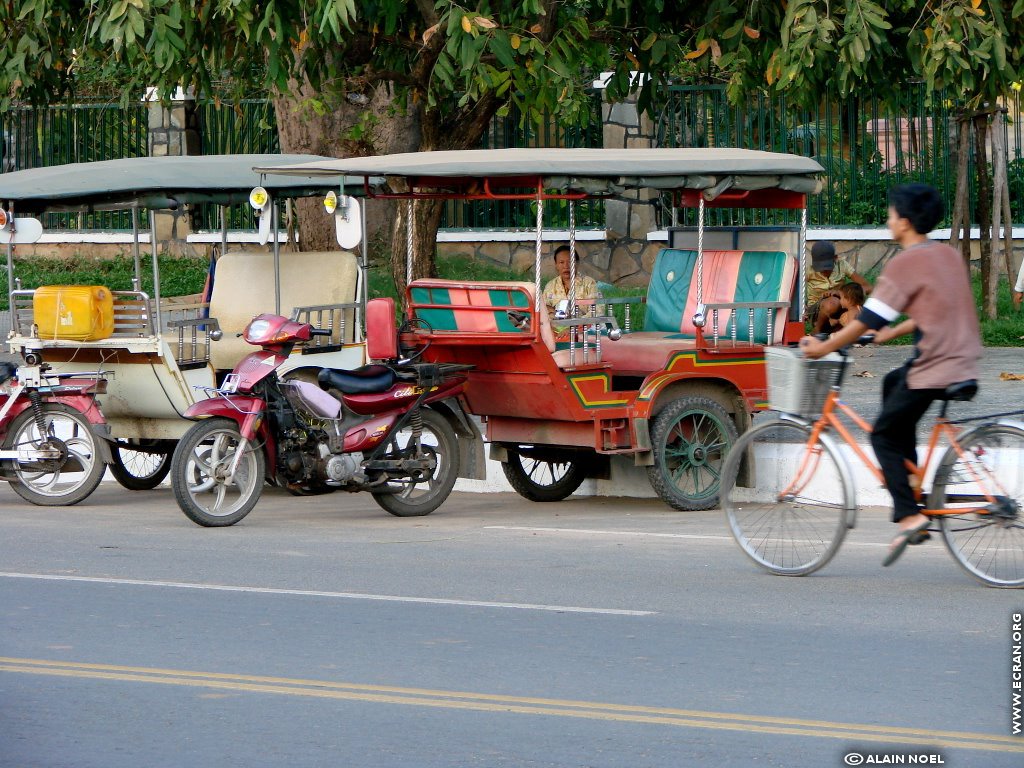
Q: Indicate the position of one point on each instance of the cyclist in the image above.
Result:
(928, 282)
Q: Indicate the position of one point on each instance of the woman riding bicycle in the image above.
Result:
(928, 282)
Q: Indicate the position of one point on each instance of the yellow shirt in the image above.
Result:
(818, 284)
(554, 291)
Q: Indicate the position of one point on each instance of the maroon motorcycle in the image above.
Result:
(384, 428)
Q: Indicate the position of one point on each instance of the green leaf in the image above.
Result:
(502, 49)
(648, 41)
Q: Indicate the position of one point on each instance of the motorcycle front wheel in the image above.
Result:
(418, 496)
(199, 474)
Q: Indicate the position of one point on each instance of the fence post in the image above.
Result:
(173, 131)
(631, 216)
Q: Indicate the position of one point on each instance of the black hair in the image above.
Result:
(566, 249)
(853, 291)
(920, 204)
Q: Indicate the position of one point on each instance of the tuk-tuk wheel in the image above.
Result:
(539, 479)
(141, 465)
(690, 438)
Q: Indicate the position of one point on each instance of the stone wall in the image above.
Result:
(596, 256)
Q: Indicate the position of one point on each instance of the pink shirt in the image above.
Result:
(930, 283)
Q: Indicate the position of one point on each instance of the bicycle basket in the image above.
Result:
(798, 385)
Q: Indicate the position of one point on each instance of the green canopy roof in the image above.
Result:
(591, 170)
(161, 182)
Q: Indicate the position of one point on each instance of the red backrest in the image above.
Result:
(381, 335)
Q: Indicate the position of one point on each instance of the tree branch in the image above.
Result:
(426, 8)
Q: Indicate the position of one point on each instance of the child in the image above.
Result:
(851, 299)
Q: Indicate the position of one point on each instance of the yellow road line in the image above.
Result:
(482, 702)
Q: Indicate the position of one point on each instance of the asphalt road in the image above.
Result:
(496, 632)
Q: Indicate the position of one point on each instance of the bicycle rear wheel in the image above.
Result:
(989, 545)
(786, 499)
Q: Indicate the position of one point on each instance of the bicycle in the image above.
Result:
(788, 491)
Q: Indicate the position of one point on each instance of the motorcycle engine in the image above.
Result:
(338, 468)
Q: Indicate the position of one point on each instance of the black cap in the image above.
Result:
(823, 255)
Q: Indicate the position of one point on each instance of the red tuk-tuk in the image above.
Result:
(673, 395)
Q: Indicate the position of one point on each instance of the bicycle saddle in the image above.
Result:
(961, 391)
(361, 381)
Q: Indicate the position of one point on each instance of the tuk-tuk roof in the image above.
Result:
(592, 170)
(161, 182)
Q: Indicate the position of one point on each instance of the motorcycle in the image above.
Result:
(53, 448)
(380, 428)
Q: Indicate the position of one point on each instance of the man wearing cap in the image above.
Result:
(827, 273)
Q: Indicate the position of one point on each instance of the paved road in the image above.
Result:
(496, 632)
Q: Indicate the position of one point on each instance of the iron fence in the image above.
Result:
(865, 147)
(512, 131)
(248, 127)
(74, 133)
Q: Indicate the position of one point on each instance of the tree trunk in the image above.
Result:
(426, 219)
(463, 130)
(960, 231)
(374, 125)
(999, 184)
(984, 198)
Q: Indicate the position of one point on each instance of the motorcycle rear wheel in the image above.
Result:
(415, 498)
(198, 469)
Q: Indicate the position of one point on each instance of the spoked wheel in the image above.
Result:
(691, 437)
(422, 494)
(786, 500)
(141, 465)
(56, 482)
(988, 545)
(199, 474)
(538, 477)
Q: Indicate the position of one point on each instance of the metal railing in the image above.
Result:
(132, 315)
(341, 320)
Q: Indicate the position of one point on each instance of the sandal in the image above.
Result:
(901, 541)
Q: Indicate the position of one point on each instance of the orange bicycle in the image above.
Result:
(789, 494)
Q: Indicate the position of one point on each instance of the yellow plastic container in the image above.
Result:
(73, 312)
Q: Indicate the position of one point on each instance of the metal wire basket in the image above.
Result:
(797, 385)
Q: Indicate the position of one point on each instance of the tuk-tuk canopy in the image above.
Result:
(593, 171)
(161, 182)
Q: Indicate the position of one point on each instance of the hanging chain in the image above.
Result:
(700, 252)
(408, 240)
(536, 267)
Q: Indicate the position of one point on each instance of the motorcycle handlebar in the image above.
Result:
(319, 332)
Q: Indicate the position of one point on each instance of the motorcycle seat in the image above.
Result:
(359, 381)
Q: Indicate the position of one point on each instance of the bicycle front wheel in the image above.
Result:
(986, 538)
(785, 497)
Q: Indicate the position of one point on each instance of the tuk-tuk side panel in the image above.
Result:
(743, 375)
(533, 431)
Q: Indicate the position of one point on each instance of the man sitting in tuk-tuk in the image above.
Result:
(556, 292)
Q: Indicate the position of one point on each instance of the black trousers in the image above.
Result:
(894, 437)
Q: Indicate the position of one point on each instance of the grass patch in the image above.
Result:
(179, 276)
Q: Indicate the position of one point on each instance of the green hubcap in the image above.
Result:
(694, 450)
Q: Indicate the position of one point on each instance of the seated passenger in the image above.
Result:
(827, 273)
(557, 289)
